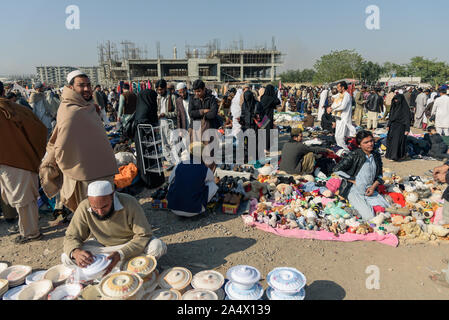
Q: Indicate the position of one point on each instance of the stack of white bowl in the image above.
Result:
(15, 274)
(243, 283)
(286, 284)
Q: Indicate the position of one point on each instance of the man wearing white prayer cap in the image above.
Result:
(182, 106)
(117, 224)
(79, 145)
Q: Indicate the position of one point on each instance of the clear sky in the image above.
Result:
(34, 32)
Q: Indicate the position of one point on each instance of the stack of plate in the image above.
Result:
(13, 293)
(38, 290)
(176, 278)
(165, 294)
(15, 274)
(66, 292)
(57, 274)
(93, 271)
(35, 276)
(90, 293)
(121, 286)
(286, 284)
(4, 286)
(142, 265)
(209, 280)
(199, 294)
(244, 283)
(150, 284)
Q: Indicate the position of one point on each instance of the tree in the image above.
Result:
(297, 76)
(338, 65)
(370, 72)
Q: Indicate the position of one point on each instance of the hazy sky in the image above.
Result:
(34, 32)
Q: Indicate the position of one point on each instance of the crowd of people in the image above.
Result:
(57, 141)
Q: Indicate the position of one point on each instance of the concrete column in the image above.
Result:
(159, 69)
(272, 67)
(241, 68)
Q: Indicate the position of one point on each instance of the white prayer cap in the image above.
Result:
(74, 74)
(99, 189)
(181, 86)
(401, 91)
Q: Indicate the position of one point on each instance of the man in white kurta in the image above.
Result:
(441, 112)
(344, 125)
(421, 101)
(323, 97)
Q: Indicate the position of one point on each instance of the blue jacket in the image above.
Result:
(188, 192)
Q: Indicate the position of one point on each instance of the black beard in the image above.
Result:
(107, 216)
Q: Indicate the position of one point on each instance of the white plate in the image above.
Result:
(13, 293)
(35, 276)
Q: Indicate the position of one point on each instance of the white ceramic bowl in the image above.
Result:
(243, 277)
(38, 290)
(35, 276)
(57, 274)
(66, 292)
(16, 274)
(3, 266)
(12, 294)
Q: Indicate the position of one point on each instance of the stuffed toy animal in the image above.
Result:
(256, 190)
(363, 229)
(336, 211)
(437, 230)
(411, 197)
(391, 229)
(301, 221)
(379, 220)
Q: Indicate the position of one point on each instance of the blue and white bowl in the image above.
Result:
(236, 293)
(279, 295)
(13, 293)
(287, 280)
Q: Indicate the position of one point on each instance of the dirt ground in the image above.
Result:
(334, 270)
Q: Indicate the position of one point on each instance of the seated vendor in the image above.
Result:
(328, 121)
(362, 169)
(438, 148)
(108, 223)
(298, 158)
(309, 120)
(192, 185)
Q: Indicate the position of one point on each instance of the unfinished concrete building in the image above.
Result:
(210, 64)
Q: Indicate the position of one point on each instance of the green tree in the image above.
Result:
(305, 75)
(338, 65)
(370, 72)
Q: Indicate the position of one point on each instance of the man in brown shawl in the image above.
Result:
(22, 146)
(79, 146)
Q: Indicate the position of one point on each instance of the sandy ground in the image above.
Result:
(334, 270)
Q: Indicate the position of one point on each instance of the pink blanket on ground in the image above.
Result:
(388, 239)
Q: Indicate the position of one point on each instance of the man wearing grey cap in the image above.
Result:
(79, 146)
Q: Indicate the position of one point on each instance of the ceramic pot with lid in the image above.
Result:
(142, 265)
(243, 277)
(177, 278)
(200, 294)
(286, 280)
(279, 295)
(165, 294)
(121, 286)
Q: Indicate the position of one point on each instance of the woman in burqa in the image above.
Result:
(268, 102)
(398, 128)
(146, 113)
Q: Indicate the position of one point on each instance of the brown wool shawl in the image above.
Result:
(79, 143)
